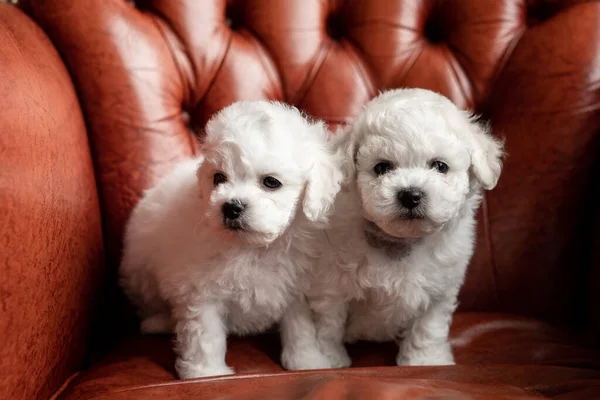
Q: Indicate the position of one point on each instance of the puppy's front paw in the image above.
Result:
(337, 355)
(187, 370)
(434, 355)
(301, 360)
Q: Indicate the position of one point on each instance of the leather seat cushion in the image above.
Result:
(497, 355)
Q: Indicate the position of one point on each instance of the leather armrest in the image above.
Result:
(51, 250)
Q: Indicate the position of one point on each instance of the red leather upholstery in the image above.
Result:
(51, 252)
(150, 73)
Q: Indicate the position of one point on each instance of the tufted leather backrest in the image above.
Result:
(150, 73)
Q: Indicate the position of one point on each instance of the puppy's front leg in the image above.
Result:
(425, 342)
(330, 321)
(298, 339)
(201, 342)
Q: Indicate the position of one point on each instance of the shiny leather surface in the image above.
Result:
(478, 339)
(50, 234)
(423, 383)
(149, 73)
(490, 349)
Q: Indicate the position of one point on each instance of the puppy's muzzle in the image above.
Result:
(232, 214)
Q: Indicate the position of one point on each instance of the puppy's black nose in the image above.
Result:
(233, 209)
(410, 198)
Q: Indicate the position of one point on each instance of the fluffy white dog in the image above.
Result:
(222, 243)
(402, 230)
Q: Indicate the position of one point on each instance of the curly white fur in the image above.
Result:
(392, 273)
(187, 270)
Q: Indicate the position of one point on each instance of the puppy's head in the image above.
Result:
(262, 160)
(415, 157)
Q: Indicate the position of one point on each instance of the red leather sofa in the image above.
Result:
(100, 98)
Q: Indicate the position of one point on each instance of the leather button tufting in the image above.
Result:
(434, 30)
(148, 74)
(135, 68)
(334, 27)
(234, 16)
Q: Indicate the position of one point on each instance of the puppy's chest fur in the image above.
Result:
(383, 272)
(257, 297)
(254, 286)
(389, 283)
(396, 288)
(386, 269)
(402, 273)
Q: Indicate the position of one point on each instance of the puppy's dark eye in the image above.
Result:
(271, 182)
(383, 167)
(219, 178)
(440, 166)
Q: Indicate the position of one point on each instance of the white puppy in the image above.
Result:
(402, 230)
(221, 244)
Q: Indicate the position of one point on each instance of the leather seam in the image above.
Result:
(262, 51)
(360, 68)
(416, 53)
(217, 70)
(454, 67)
(454, 51)
(312, 74)
(158, 21)
(510, 49)
(64, 386)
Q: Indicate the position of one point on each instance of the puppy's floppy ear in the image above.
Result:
(486, 154)
(345, 141)
(324, 180)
